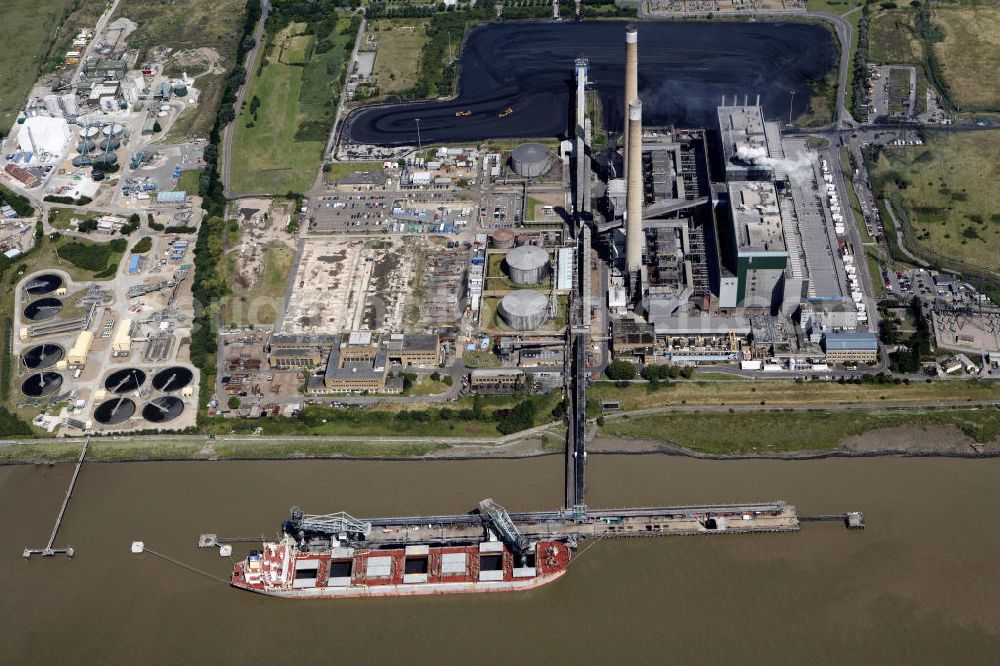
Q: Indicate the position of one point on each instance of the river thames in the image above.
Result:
(918, 586)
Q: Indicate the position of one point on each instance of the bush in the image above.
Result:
(144, 245)
(181, 230)
(234, 402)
(621, 370)
(92, 256)
(20, 204)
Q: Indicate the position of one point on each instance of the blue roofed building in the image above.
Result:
(860, 347)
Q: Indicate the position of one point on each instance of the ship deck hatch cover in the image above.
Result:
(342, 569)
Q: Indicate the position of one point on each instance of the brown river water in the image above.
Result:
(919, 586)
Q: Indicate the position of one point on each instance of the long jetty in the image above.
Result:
(48, 550)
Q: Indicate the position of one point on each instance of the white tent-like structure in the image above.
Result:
(44, 135)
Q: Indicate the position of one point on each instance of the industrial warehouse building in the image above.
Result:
(851, 347)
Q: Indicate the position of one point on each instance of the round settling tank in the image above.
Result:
(104, 159)
(43, 308)
(114, 130)
(527, 264)
(41, 384)
(114, 411)
(524, 310)
(531, 160)
(503, 239)
(85, 146)
(83, 161)
(163, 409)
(125, 380)
(43, 284)
(89, 132)
(110, 144)
(42, 356)
(172, 379)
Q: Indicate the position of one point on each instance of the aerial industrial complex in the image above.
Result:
(442, 271)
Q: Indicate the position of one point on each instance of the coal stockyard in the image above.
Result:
(172, 379)
(163, 409)
(125, 380)
(43, 284)
(114, 411)
(685, 68)
(42, 356)
(42, 309)
(41, 384)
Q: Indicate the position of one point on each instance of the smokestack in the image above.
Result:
(633, 195)
(757, 103)
(631, 79)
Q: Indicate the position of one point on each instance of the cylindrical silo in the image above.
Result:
(503, 239)
(527, 264)
(524, 309)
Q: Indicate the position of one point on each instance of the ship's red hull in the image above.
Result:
(283, 570)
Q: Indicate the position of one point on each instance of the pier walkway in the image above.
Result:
(49, 551)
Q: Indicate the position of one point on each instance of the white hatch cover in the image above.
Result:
(453, 563)
(379, 567)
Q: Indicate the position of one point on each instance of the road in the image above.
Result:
(227, 133)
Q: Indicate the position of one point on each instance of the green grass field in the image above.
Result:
(26, 33)
(395, 65)
(787, 392)
(892, 39)
(950, 196)
(968, 54)
(782, 432)
(282, 149)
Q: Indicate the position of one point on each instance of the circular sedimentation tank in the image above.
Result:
(43, 308)
(163, 409)
(83, 161)
(85, 146)
(503, 239)
(114, 129)
(125, 380)
(172, 379)
(89, 132)
(42, 356)
(41, 384)
(110, 144)
(527, 264)
(43, 284)
(524, 310)
(531, 160)
(105, 159)
(114, 411)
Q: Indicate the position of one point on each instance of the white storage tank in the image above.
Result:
(524, 310)
(527, 264)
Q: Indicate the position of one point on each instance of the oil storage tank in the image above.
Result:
(524, 309)
(531, 160)
(527, 264)
(503, 239)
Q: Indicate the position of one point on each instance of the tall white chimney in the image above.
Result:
(634, 193)
(631, 80)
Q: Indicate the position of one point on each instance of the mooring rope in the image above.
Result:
(589, 546)
(186, 566)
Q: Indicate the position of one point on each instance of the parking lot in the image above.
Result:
(399, 212)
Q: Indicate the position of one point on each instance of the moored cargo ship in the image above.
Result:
(284, 569)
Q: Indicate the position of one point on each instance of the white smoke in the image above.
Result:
(752, 154)
(798, 170)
